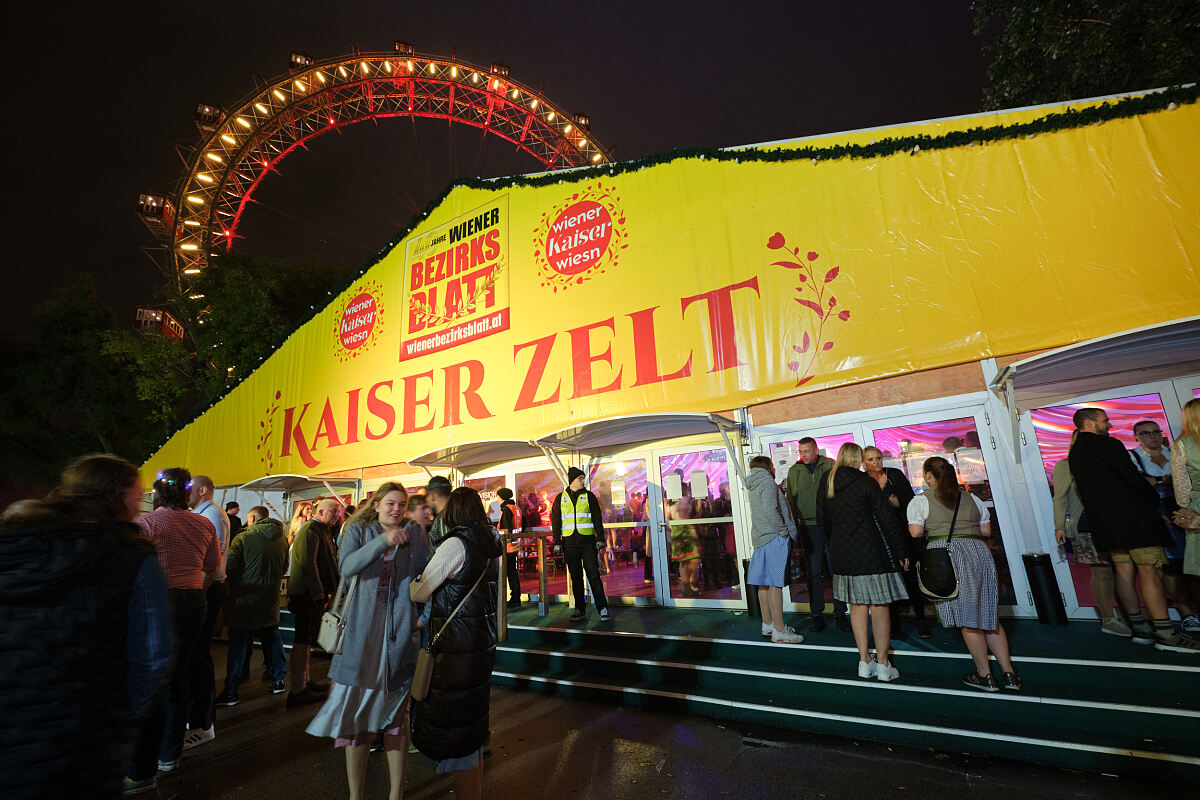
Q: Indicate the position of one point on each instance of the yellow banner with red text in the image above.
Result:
(700, 285)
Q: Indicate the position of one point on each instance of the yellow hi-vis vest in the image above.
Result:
(577, 517)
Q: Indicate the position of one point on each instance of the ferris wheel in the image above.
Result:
(241, 147)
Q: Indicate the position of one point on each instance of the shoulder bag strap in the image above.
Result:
(433, 641)
(954, 518)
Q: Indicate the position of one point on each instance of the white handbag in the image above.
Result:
(333, 621)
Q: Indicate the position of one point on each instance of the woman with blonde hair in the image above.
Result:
(300, 515)
(1185, 475)
(383, 551)
(947, 513)
(1071, 523)
(866, 553)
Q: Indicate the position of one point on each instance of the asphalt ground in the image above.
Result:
(550, 747)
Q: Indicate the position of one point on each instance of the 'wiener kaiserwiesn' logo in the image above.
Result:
(580, 238)
(359, 320)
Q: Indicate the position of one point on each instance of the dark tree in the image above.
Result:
(1043, 51)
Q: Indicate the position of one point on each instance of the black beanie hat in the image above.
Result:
(505, 493)
(573, 473)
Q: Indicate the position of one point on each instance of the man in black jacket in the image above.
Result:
(1122, 509)
(510, 523)
(577, 522)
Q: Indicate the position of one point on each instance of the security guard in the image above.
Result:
(579, 528)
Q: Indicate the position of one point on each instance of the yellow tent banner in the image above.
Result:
(697, 285)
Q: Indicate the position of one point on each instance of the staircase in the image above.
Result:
(1090, 701)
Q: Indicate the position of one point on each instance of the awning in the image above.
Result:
(592, 438)
(1155, 352)
(296, 483)
(475, 456)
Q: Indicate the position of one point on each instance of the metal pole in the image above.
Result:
(543, 586)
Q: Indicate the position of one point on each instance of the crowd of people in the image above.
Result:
(1132, 516)
(117, 610)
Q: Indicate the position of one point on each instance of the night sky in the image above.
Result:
(104, 91)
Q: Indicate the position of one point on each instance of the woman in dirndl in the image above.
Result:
(976, 609)
(385, 551)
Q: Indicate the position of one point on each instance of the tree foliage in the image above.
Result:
(1043, 51)
(246, 306)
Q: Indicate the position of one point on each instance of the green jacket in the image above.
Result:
(802, 488)
(256, 562)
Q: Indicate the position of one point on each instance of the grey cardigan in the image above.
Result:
(770, 513)
(363, 549)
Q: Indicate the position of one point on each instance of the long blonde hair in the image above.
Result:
(298, 519)
(1191, 418)
(849, 455)
(368, 513)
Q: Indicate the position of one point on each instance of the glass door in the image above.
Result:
(696, 555)
(784, 450)
(908, 441)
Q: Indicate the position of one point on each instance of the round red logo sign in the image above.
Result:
(358, 320)
(579, 237)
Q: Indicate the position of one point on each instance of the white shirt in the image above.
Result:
(1147, 466)
(448, 561)
(918, 510)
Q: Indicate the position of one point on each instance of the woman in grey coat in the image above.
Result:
(772, 529)
(384, 550)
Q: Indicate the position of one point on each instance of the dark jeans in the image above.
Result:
(202, 684)
(188, 608)
(148, 738)
(240, 644)
(514, 578)
(818, 550)
(579, 552)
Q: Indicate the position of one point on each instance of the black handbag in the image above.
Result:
(936, 577)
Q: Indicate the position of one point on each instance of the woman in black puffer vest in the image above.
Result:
(866, 554)
(451, 724)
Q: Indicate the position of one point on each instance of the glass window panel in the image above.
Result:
(620, 485)
(487, 488)
(957, 440)
(1053, 425)
(700, 537)
(784, 454)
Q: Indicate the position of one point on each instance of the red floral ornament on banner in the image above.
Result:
(266, 427)
(815, 294)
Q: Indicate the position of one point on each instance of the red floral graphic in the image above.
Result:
(815, 294)
(266, 427)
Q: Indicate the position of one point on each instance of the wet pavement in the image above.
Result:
(551, 747)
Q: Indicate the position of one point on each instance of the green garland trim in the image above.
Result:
(1166, 99)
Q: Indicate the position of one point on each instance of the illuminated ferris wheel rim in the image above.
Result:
(317, 97)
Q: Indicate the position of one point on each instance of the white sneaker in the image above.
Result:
(786, 636)
(1190, 623)
(867, 669)
(767, 630)
(604, 615)
(886, 672)
(198, 737)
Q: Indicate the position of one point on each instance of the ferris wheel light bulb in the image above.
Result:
(279, 95)
(243, 123)
(261, 108)
(214, 157)
(228, 139)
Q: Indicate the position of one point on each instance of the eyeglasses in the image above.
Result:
(1149, 433)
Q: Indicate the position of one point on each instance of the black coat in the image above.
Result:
(452, 720)
(865, 536)
(66, 723)
(1121, 505)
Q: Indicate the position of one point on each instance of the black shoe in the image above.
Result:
(985, 683)
(817, 623)
(514, 603)
(303, 698)
(277, 687)
(227, 699)
(577, 615)
(842, 623)
(1011, 682)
